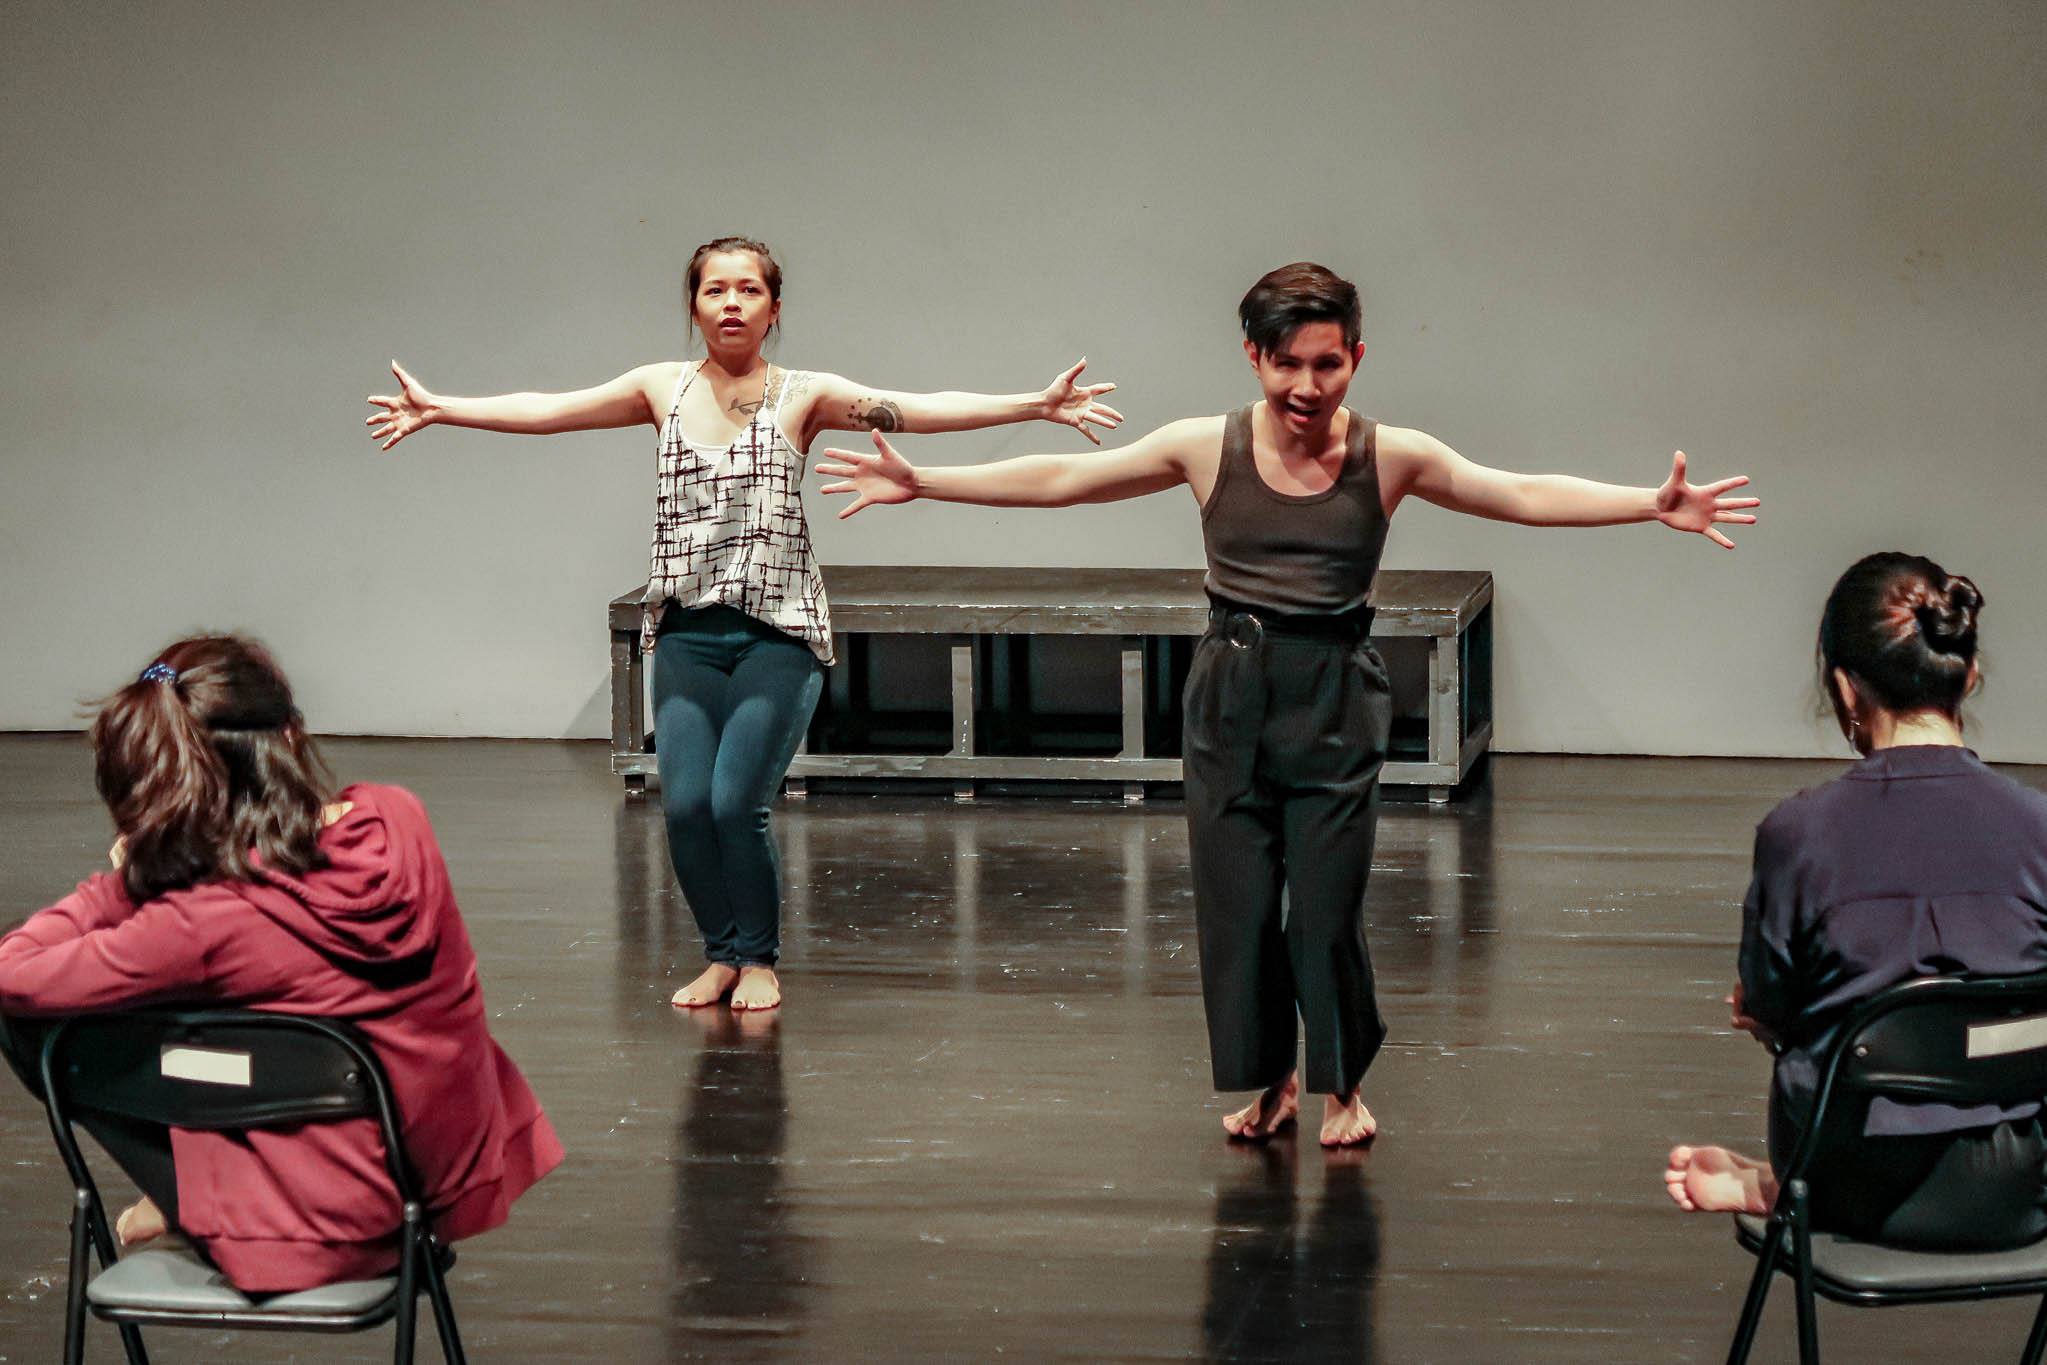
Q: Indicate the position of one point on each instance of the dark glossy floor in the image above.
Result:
(982, 1125)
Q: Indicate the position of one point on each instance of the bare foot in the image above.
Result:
(1273, 1110)
(1346, 1122)
(1715, 1180)
(139, 1223)
(714, 985)
(758, 989)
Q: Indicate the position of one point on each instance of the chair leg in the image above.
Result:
(1758, 1290)
(408, 1311)
(443, 1306)
(408, 1287)
(1808, 1306)
(102, 1240)
(2036, 1340)
(74, 1288)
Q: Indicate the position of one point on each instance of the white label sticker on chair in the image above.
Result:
(2017, 1035)
(215, 1066)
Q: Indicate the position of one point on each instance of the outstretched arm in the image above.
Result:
(623, 402)
(1416, 462)
(1152, 465)
(835, 403)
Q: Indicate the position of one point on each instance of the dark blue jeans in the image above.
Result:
(732, 698)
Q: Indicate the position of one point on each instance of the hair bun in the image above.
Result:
(1947, 618)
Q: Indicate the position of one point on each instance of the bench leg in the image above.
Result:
(1133, 712)
(963, 711)
(628, 708)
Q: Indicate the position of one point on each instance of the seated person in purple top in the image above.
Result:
(1917, 861)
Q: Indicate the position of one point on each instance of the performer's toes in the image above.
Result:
(1271, 1112)
(1716, 1180)
(758, 989)
(1346, 1122)
(714, 985)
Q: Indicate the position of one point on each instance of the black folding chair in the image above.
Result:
(1945, 1039)
(228, 1069)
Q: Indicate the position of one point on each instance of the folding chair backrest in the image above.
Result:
(212, 1069)
(217, 1069)
(1944, 1040)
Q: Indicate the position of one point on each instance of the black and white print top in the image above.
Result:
(729, 528)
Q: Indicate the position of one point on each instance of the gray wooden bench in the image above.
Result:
(1446, 613)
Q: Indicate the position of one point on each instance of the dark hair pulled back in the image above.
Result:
(771, 272)
(205, 765)
(1904, 631)
(1287, 299)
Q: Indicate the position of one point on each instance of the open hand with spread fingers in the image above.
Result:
(402, 413)
(879, 479)
(1702, 508)
(1073, 404)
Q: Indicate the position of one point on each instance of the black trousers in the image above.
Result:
(1981, 1189)
(1285, 736)
(141, 1150)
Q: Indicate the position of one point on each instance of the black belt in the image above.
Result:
(1245, 625)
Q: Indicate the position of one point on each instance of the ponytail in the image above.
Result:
(204, 763)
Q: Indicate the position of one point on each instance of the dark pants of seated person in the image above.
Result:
(732, 698)
(141, 1150)
(1983, 1189)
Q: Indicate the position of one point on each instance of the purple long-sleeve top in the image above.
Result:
(1919, 860)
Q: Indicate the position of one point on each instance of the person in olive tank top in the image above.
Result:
(1286, 703)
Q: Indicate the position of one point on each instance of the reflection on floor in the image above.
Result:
(982, 1124)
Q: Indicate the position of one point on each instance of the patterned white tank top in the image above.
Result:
(729, 528)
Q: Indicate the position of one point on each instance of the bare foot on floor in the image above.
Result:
(1346, 1122)
(1273, 1110)
(758, 989)
(139, 1223)
(1715, 1180)
(714, 985)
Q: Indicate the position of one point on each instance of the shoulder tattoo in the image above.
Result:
(795, 383)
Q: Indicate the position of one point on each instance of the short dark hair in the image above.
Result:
(1904, 630)
(1289, 298)
(771, 271)
(206, 767)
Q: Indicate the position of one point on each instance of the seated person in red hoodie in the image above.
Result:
(242, 878)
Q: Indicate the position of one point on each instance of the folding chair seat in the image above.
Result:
(162, 1280)
(228, 1070)
(1850, 1271)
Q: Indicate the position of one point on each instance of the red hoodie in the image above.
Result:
(373, 938)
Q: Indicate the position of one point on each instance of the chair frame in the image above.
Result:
(1861, 1065)
(367, 1094)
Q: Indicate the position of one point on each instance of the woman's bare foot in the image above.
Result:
(1346, 1122)
(758, 989)
(139, 1223)
(714, 985)
(1273, 1110)
(1715, 1180)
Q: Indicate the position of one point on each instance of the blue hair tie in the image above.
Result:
(159, 672)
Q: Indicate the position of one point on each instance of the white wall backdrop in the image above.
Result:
(1807, 242)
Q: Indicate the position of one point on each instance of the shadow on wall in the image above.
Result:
(593, 718)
